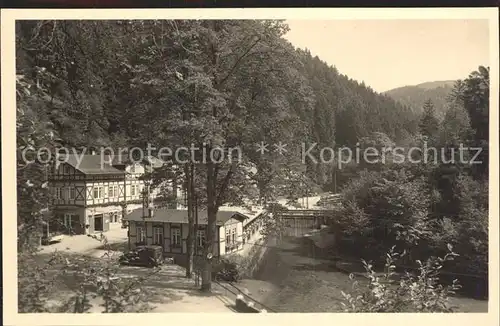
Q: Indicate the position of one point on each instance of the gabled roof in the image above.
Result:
(251, 214)
(181, 216)
(125, 159)
(90, 164)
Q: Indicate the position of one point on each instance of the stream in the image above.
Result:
(292, 278)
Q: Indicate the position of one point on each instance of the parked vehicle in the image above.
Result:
(226, 271)
(228, 275)
(146, 256)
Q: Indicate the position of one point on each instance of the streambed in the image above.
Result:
(291, 278)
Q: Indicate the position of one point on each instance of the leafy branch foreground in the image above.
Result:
(409, 293)
(91, 283)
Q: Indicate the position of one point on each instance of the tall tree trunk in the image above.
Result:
(206, 277)
(188, 169)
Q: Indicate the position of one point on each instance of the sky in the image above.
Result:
(386, 54)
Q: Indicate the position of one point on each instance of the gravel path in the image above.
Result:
(84, 244)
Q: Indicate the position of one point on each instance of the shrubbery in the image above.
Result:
(384, 208)
(389, 292)
(89, 282)
(380, 209)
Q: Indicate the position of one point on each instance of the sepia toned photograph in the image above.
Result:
(253, 165)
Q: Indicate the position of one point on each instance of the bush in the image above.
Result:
(382, 208)
(408, 293)
(34, 282)
(467, 228)
(90, 282)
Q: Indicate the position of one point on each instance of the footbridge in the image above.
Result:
(298, 222)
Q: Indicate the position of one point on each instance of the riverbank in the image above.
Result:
(292, 279)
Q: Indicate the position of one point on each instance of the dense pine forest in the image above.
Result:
(93, 84)
(416, 96)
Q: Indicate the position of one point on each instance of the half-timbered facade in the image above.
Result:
(87, 194)
(91, 193)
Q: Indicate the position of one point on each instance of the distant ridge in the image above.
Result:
(436, 84)
(415, 96)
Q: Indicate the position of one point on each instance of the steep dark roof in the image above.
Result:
(97, 164)
(125, 159)
(90, 164)
(181, 216)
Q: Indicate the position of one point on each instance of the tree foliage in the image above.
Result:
(429, 124)
(423, 207)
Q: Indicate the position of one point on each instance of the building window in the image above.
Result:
(141, 235)
(113, 191)
(133, 190)
(230, 240)
(70, 220)
(98, 192)
(158, 235)
(176, 237)
(57, 193)
(132, 168)
(71, 193)
(201, 238)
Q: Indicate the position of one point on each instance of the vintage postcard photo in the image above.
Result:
(249, 161)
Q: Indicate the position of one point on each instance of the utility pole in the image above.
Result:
(48, 211)
(188, 168)
(197, 281)
(335, 180)
(307, 196)
(146, 200)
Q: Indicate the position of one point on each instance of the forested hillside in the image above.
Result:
(237, 83)
(119, 83)
(416, 96)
